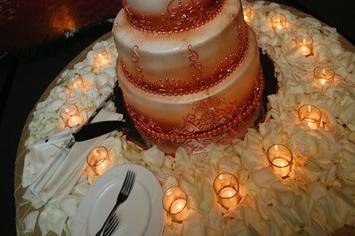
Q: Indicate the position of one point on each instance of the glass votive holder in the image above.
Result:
(280, 158)
(278, 22)
(310, 116)
(248, 14)
(75, 121)
(304, 43)
(324, 75)
(175, 204)
(78, 83)
(102, 58)
(71, 115)
(68, 110)
(226, 187)
(99, 160)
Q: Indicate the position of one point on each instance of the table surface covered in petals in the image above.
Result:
(23, 207)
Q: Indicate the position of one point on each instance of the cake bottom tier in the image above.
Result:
(235, 127)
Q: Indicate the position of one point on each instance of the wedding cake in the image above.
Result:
(189, 70)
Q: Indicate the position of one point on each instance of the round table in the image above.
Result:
(23, 207)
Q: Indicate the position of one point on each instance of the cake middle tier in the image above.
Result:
(184, 62)
(213, 107)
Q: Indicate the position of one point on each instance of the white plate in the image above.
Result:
(135, 209)
(141, 214)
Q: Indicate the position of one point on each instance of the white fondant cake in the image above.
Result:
(198, 83)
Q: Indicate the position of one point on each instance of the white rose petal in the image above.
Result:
(154, 156)
(69, 205)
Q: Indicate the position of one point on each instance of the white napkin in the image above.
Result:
(64, 168)
(42, 155)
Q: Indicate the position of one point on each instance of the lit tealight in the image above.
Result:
(280, 158)
(175, 204)
(278, 22)
(324, 75)
(75, 121)
(310, 116)
(99, 160)
(304, 43)
(71, 116)
(68, 110)
(226, 187)
(78, 83)
(248, 14)
(102, 58)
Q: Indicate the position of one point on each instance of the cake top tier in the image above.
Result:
(168, 16)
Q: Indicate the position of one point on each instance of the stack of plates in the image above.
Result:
(140, 214)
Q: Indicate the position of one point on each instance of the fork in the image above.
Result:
(122, 196)
(111, 226)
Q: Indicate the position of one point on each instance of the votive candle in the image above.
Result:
(102, 58)
(310, 116)
(248, 14)
(71, 115)
(67, 111)
(74, 121)
(324, 75)
(99, 160)
(280, 158)
(175, 204)
(226, 187)
(77, 83)
(278, 22)
(304, 43)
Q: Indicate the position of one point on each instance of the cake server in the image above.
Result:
(96, 129)
(93, 130)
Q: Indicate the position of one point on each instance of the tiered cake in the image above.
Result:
(189, 70)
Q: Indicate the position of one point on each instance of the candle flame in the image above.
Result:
(278, 21)
(248, 14)
(102, 58)
(324, 75)
(309, 108)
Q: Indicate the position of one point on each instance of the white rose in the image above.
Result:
(154, 156)
(92, 93)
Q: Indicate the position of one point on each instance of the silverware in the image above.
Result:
(111, 226)
(122, 196)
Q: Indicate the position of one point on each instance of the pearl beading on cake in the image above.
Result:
(182, 17)
(171, 87)
(179, 136)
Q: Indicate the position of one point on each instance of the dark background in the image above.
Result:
(34, 49)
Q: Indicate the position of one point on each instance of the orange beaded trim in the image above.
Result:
(153, 131)
(169, 87)
(182, 17)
